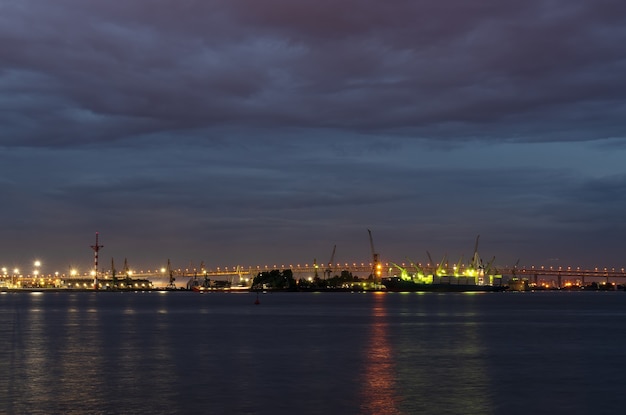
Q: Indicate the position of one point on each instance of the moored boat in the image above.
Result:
(518, 284)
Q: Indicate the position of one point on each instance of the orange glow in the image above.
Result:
(379, 389)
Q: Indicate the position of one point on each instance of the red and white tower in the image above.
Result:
(95, 248)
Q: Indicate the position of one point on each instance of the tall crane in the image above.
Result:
(443, 265)
(418, 269)
(431, 263)
(438, 269)
(126, 268)
(477, 263)
(113, 273)
(170, 272)
(329, 266)
(376, 265)
(404, 274)
(514, 269)
(457, 268)
(489, 268)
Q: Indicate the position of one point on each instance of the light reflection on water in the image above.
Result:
(180, 353)
(426, 358)
(379, 395)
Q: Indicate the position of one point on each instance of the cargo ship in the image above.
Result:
(476, 277)
(397, 284)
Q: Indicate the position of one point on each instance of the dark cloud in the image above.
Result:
(197, 129)
(122, 70)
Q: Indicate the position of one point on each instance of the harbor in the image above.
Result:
(474, 275)
(358, 277)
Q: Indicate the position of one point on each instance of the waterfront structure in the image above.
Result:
(96, 248)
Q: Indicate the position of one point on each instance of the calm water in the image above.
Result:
(305, 353)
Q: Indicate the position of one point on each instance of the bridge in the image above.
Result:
(569, 275)
(555, 276)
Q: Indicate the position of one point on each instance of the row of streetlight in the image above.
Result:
(16, 271)
(74, 272)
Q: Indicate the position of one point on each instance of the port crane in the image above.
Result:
(403, 272)
(126, 269)
(376, 266)
(514, 270)
(170, 273)
(440, 267)
(329, 267)
(477, 263)
(457, 268)
(420, 270)
(511, 271)
(489, 268)
(113, 273)
(431, 263)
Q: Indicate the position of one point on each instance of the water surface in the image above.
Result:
(307, 353)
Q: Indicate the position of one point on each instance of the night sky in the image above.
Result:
(245, 132)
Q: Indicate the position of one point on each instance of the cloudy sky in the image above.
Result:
(266, 132)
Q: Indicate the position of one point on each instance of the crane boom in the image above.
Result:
(417, 267)
(489, 266)
(403, 272)
(476, 261)
(376, 267)
(332, 257)
(514, 270)
(442, 265)
(476, 244)
(113, 273)
(169, 271)
(458, 265)
(431, 263)
(329, 267)
(372, 244)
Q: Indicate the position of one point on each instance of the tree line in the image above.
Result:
(284, 280)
